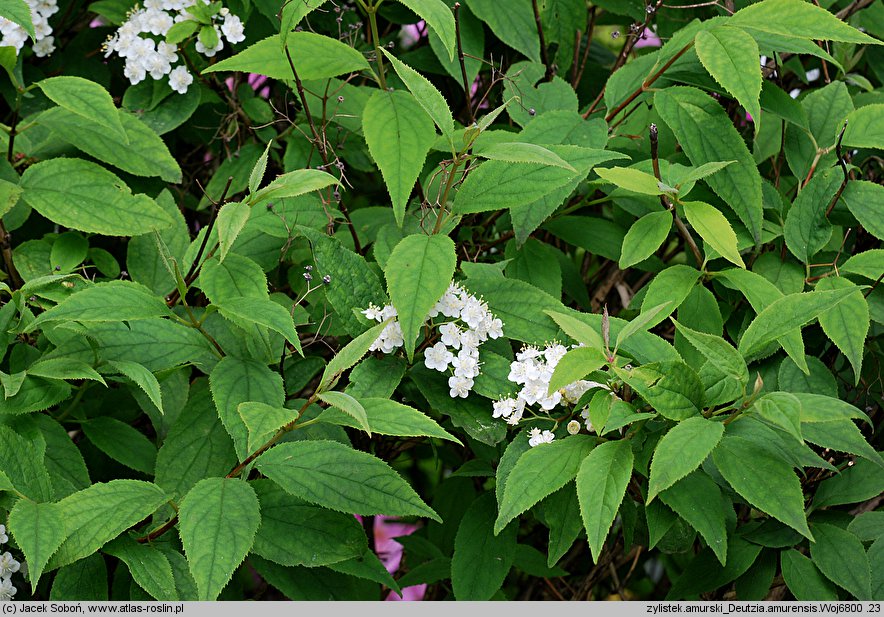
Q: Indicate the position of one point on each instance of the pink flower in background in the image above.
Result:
(648, 38)
(255, 80)
(411, 34)
(390, 553)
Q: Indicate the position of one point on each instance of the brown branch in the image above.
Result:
(544, 52)
(843, 165)
(647, 83)
(319, 142)
(463, 66)
(590, 29)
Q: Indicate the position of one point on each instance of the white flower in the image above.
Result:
(465, 365)
(6, 590)
(585, 415)
(180, 79)
(536, 437)
(233, 29)
(3, 537)
(438, 357)
(473, 312)
(459, 386)
(156, 22)
(373, 312)
(554, 353)
(387, 312)
(504, 408)
(8, 565)
(450, 334)
(134, 71)
(44, 46)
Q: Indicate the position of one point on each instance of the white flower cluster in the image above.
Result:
(536, 437)
(533, 370)
(8, 567)
(471, 325)
(13, 35)
(145, 56)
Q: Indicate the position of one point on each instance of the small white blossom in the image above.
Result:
(8, 565)
(536, 437)
(438, 357)
(450, 335)
(459, 386)
(3, 537)
(6, 590)
(465, 365)
(180, 79)
(233, 29)
(373, 312)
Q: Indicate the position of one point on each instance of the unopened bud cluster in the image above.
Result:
(139, 40)
(8, 567)
(13, 35)
(469, 324)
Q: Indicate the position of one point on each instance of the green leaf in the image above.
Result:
(672, 388)
(98, 514)
(670, 286)
(426, 95)
(515, 26)
(85, 196)
(39, 529)
(181, 31)
(398, 134)
(576, 364)
(631, 180)
(293, 13)
(388, 417)
(706, 134)
(85, 580)
(698, 500)
(335, 476)
(258, 171)
(142, 378)
(821, 408)
(841, 435)
(869, 264)
(601, 485)
(148, 566)
(786, 314)
(234, 381)
(294, 533)
(807, 230)
(644, 320)
(644, 238)
(577, 329)
(142, 153)
(264, 312)
(122, 443)
(64, 368)
(781, 409)
(418, 273)
(842, 558)
(231, 219)
(539, 472)
(731, 57)
(314, 56)
(84, 98)
(196, 446)
(803, 578)
(864, 127)
(853, 485)
(681, 451)
(718, 351)
(715, 230)
(437, 14)
(499, 184)
(796, 18)
(238, 276)
(482, 557)
(706, 169)
(865, 200)
(348, 405)
(21, 460)
(846, 323)
(518, 152)
(293, 184)
(349, 355)
(263, 421)
(765, 481)
(110, 301)
(218, 520)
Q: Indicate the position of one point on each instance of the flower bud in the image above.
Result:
(573, 427)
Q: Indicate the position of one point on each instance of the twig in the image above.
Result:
(647, 83)
(679, 224)
(544, 52)
(320, 145)
(590, 29)
(843, 165)
(463, 67)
